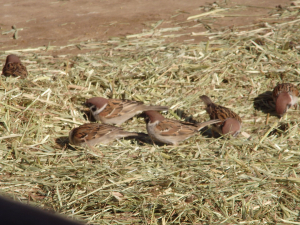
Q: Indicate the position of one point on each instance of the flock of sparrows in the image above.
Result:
(113, 112)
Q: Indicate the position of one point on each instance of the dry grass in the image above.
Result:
(204, 180)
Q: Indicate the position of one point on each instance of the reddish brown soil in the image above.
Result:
(65, 22)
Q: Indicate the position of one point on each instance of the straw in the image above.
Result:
(251, 179)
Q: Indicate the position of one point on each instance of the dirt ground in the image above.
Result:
(64, 22)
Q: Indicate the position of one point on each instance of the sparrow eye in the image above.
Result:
(93, 108)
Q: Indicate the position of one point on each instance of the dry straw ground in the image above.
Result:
(252, 179)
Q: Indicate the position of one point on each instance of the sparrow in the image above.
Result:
(14, 67)
(285, 96)
(90, 134)
(171, 131)
(230, 123)
(116, 111)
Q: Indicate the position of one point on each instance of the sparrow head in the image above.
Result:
(96, 103)
(231, 126)
(283, 102)
(153, 116)
(12, 59)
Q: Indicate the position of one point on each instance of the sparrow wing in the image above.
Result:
(221, 113)
(118, 107)
(15, 69)
(91, 131)
(94, 133)
(175, 128)
(285, 87)
(218, 112)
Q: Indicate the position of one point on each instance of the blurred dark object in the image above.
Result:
(15, 213)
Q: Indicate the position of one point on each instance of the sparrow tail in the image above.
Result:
(129, 134)
(206, 100)
(204, 124)
(157, 108)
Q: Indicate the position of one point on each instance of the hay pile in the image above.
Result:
(251, 179)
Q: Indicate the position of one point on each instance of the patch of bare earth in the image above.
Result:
(59, 23)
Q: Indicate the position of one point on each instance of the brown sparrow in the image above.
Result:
(171, 131)
(90, 134)
(116, 111)
(14, 67)
(285, 96)
(230, 122)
